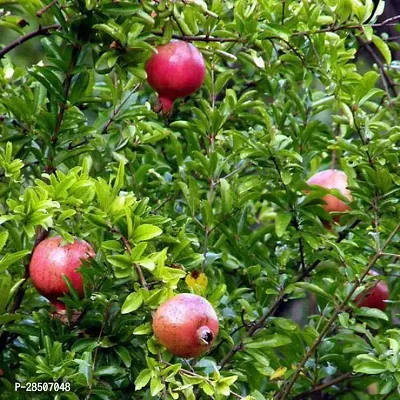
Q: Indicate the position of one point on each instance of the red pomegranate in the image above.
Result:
(186, 325)
(375, 297)
(333, 179)
(50, 261)
(177, 70)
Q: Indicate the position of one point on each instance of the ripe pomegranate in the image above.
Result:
(186, 325)
(333, 179)
(374, 297)
(177, 70)
(50, 261)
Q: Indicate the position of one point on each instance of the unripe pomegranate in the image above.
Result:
(50, 261)
(177, 70)
(333, 179)
(186, 325)
(374, 297)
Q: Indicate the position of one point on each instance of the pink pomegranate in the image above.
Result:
(186, 325)
(375, 297)
(177, 70)
(332, 179)
(50, 261)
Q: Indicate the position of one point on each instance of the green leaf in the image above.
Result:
(282, 221)
(5, 288)
(370, 367)
(9, 259)
(371, 313)
(143, 379)
(123, 8)
(124, 355)
(313, 288)
(132, 303)
(383, 48)
(112, 370)
(3, 239)
(275, 340)
(146, 232)
(226, 196)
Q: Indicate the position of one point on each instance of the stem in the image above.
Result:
(45, 30)
(116, 111)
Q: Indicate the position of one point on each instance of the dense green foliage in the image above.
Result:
(217, 187)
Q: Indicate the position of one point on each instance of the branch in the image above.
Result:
(386, 79)
(206, 39)
(45, 30)
(67, 87)
(320, 388)
(259, 324)
(284, 393)
(278, 301)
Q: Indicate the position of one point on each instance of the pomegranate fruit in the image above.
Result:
(50, 261)
(374, 297)
(186, 325)
(177, 70)
(333, 179)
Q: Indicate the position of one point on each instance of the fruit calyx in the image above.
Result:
(205, 335)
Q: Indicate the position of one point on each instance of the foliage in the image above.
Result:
(211, 199)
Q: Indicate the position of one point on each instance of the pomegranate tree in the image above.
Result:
(177, 70)
(51, 260)
(186, 325)
(333, 179)
(375, 297)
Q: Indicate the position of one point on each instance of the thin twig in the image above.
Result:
(45, 30)
(164, 391)
(257, 325)
(117, 110)
(103, 324)
(128, 248)
(284, 393)
(320, 388)
(46, 8)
